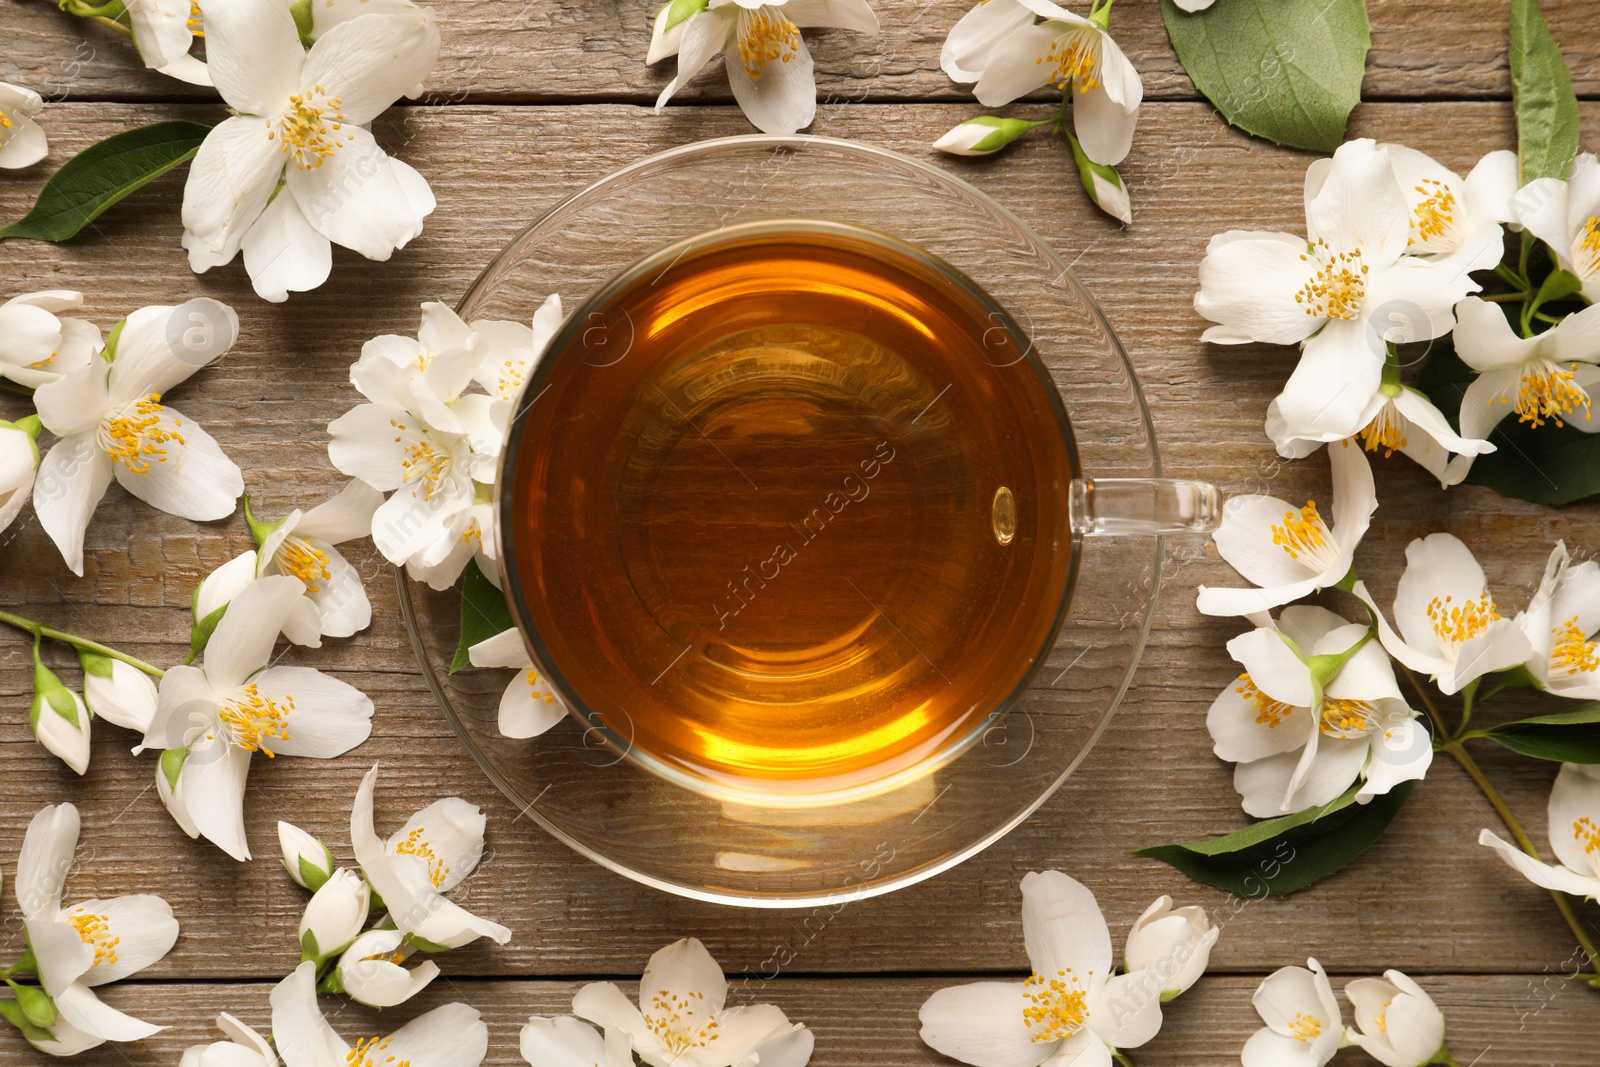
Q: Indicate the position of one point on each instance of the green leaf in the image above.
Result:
(1284, 855)
(1557, 285)
(483, 614)
(104, 173)
(1541, 89)
(1286, 70)
(1564, 737)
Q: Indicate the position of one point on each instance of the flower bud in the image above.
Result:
(1400, 1026)
(334, 917)
(168, 770)
(984, 135)
(58, 717)
(305, 857)
(1103, 184)
(117, 692)
(19, 460)
(372, 970)
(1175, 943)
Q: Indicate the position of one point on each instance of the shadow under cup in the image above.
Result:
(785, 513)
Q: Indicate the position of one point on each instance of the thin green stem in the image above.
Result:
(126, 31)
(1121, 1057)
(1520, 280)
(1467, 696)
(1507, 298)
(13, 387)
(39, 629)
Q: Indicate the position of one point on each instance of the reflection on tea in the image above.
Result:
(790, 511)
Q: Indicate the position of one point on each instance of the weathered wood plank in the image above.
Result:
(1522, 1019)
(494, 169)
(574, 51)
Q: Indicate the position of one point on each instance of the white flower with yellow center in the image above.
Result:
(38, 344)
(1300, 740)
(1073, 1008)
(1562, 625)
(1290, 552)
(1012, 47)
(295, 170)
(111, 423)
(244, 1048)
(414, 869)
(1397, 1023)
(86, 945)
(1304, 1025)
(235, 705)
(1457, 219)
(164, 31)
(1547, 378)
(1342, 293)
(1574, 836)
(769, 67)
(22, 142)
(1448, 625)
(529, 705)
(512, 349)
(682, 1018)
(304, 546)
(451, 1036)
(372, 970)
(1566, 216)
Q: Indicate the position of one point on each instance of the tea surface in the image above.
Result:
(790, 511)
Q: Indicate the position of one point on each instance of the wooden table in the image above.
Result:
(531, 102)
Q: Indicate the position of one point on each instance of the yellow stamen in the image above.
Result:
(96, 932)
(535, 680)
(416, 844)
(676, 1020)
(765, 36)
(196, 26)
(367, 1053)
(309, 129)
(1348, 718)
(421, 460)
(1301, 533)
(1435, 215)
(1269, 712)
(1588, 248)
(255, 720)
(1456, 624)
(1075, 59)
(1587, 832)
(1338, 289)
(1545, 391)
(1387, 431)
(1382, 1020)
(135, 435)
(306, 562)
(511, 375)
(1055, 1010)
(1572, 652)
(1305, 1028)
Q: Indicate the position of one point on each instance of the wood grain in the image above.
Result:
(1426, 898)
(550, 51)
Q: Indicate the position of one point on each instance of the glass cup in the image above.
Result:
(599, 781)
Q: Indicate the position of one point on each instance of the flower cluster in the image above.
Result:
(1397, 1023)
(74, 950)
(1008, 48)
(1074, 1004)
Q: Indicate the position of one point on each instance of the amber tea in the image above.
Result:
(788, 511)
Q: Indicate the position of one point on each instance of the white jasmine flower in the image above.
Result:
(1291, 552)
(1449, 627)
(682, 1019)
(429, 856)
(59, 719)
(218, 589)
(769, 67)
(22, 142)
(511, 349)
(451, 1036)
(244, 1048)
(1342, 292)
(1300, 740)
(1566, 216)
(1174, 943)
(372, 970)
(1397, 1023)
(19, 464)
(1304, 1026)
(295, 170)
(1074, 1006)
(303, 546)
(334, 916)
(1452, 218)
(163, 32)
(111, 423)
(563, 1041)
(1574, 836)
(86, 945)
(1544, 378)
(117, 692)
(1012, 47)
(529, 705)
(235, 705)
(1398, 418)
(169, 771)
(38, 344)
(467, 536)
(305, 857)
(1561, 625)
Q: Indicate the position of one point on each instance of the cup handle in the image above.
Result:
(1143, 506)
